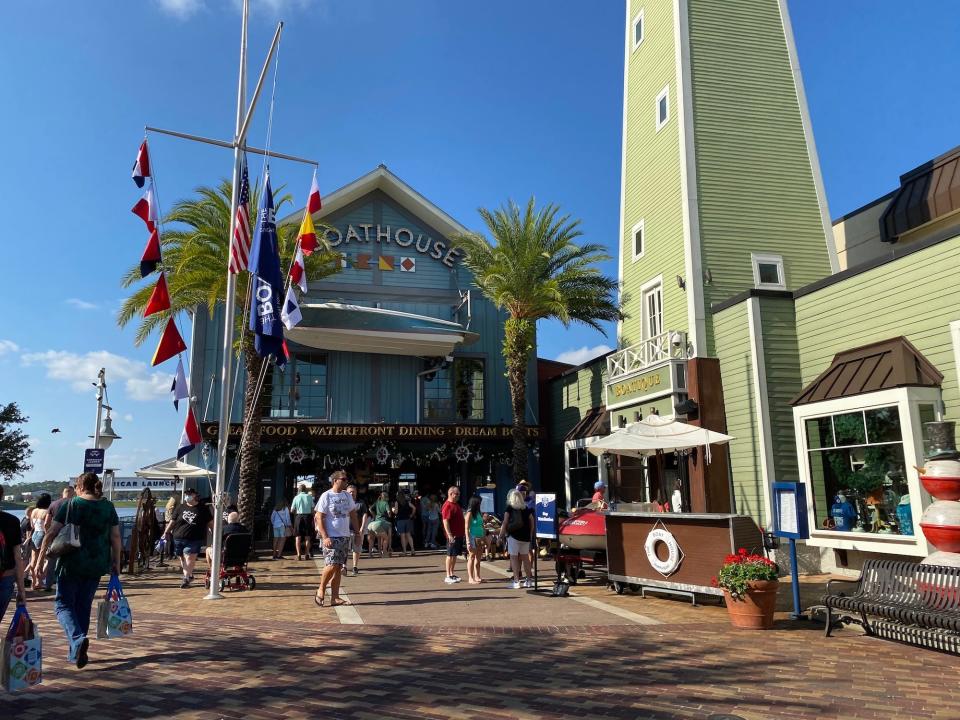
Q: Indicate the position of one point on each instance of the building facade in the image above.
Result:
(396, 372)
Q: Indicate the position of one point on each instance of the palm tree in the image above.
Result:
(535, 271)
(195, 248)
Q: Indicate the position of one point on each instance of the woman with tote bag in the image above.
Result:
(79, 570)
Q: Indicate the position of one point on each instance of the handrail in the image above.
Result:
(666, 345)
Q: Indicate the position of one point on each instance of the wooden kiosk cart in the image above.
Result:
(676, 553)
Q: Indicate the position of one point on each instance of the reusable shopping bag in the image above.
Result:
(21, 656)
(114, 618)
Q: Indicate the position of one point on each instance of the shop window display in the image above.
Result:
(455, 392)
(857, 470)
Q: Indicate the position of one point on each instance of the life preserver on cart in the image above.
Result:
(672, 562)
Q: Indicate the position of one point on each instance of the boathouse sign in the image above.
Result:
(402, 237)
(362, 432)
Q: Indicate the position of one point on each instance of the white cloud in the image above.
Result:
(180, 8)
(34, 441)
(128, 418)
(8, 346)
(81, 304)
(582, 354)
(81, 372)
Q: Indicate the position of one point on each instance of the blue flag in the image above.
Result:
(266, 298)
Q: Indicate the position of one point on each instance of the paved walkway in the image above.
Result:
(427, 651)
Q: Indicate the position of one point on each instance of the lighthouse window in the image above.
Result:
(858, 472)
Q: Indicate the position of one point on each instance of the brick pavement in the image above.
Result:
(273, 654)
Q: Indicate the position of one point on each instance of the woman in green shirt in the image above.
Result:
(380, 527)
(79, 571)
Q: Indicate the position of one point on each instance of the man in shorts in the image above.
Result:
(337, 524)
(302, 510)
(455, 530)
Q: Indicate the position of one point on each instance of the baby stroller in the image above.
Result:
(233, 564)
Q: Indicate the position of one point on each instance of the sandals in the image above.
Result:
(339, 601)
(318, 600)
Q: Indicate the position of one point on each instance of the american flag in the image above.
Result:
(240, 247)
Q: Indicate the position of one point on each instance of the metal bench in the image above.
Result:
(909, 602)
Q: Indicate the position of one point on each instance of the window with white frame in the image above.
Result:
(663, 107)
(651, 297)
(768, 272)
(638, 238)
(857, 456)
(638, 30)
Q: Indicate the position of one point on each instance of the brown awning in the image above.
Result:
(879, 366)
(595, 423)
(926, 193)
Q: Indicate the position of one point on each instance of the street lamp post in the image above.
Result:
(103, 435)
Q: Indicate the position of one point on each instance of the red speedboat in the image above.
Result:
(585, 529)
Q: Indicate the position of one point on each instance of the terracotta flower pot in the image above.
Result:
(754, 611)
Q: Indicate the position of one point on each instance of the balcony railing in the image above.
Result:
(665, 346)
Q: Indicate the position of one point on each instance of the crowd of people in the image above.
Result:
(344, 526)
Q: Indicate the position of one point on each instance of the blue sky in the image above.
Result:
(469, 103)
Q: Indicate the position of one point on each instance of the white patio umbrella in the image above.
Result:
(174, 468)
(657, 434)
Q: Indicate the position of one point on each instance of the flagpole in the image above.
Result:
(223, 437)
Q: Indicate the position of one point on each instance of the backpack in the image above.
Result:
(516, 523)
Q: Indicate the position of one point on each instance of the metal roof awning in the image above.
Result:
(353, 328)
(926, 193)
(882, 365)
(594, 423)
(173, 468)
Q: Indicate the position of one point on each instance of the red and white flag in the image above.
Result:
(314, 203)
(240, 247)
(141, 167)
(146, 208)
(190, 436)
(298, 271)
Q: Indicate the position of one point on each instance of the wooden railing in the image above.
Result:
(667, 345)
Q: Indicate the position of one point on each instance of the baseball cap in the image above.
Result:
(599, 484)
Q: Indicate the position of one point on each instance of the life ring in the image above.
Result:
(672, 562)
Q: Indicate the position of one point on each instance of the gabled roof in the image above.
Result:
(594, 423)
(404, 195)
(881, 365)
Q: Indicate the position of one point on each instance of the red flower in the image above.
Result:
(713, 581)
(731, 559)
(742, 552)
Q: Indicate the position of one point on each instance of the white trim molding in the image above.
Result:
(663, 95)
(623, 166)
(758, 259)
(693, 266)
(955, 341)
(638, 18)
(808, 136)
(761, 407)
(641, 227)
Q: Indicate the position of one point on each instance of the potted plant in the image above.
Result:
(749, 585)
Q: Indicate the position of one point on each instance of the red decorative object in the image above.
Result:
(942, 537)
(942, 488)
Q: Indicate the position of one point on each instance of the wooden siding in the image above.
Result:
(754, 179)
(914, 296)
(736, 367)
(782, 371)
(571, 396)
(652, 172)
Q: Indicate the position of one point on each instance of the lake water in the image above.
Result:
(121, 512)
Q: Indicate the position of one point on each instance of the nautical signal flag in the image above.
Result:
(290, 315)
(159, 299)
(179, 389)
(146, 208)
(151, 255)
(170, 343)
(308, 234)
(314, 203)
(141, 167)
(298, 271)
(190, 437)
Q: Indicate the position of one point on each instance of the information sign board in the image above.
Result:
(546, 515)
